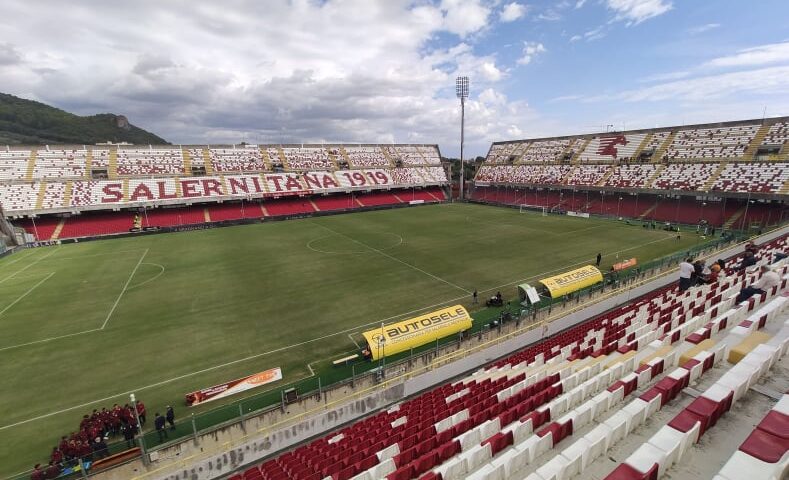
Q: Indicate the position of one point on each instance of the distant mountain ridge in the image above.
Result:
(28, 122)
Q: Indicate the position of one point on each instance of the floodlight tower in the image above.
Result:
(461, 90)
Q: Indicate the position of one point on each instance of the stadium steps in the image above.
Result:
(88, 163)
(388, 157)
(756, 141)
(206, 215)
(40, 199)
(783, 154)
(112, 168)
(714, 177)
(734, 217)
(283, 158)
(31, 165)
(357, 202)
(644, 143)
(67, 192)
(658, 155)
(345, 156)
(651, 180)
(187, 161)
(519, 158)
(399, 199)
(264, 211)
(785, 189)
(333, 158)
(577, 156)
(606, 176)
(430, 192)
(266, 159)
(209, 168)
(58, 229)
(568, 175)
(314, 205)
(648, 211)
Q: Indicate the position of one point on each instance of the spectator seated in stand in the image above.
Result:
(769, 280)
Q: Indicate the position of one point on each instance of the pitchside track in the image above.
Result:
(83, 325)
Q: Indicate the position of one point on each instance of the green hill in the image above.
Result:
(32, 123)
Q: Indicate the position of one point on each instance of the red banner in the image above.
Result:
(236, 386)
(626, 264)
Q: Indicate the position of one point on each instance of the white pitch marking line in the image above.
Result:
(395, 259)
(161, 272)
(250, 357)
(312, 372)
(48, 339)
(26, 293)
(117, 300)
(21, 257)
(29, 265)
(80, 257)
(354, 341)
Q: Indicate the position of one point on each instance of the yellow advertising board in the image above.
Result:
(571, 281)
(417, 331)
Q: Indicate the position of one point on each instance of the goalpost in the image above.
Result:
(524, 207)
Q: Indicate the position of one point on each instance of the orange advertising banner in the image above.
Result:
(236, 386)
(626, 264)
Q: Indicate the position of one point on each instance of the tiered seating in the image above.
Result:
(630, 176)
(13, 164)
(18, 196)
(502, 153)
(170, 217)
(335, 202)
(414, 154)
(497, 423)
(545, 150)
(722, 142)
(587, 174)
(43, 229)
(234, 160)
(657, 140)
(288, 206)
(93, 224)
(764, 452)
(778, 134)
(307, 158)
(371, 157)
(752, 177)
(234, 211)
(378, 198)
(59, 164)
(607, 148)
(679, 176)
(141, 162)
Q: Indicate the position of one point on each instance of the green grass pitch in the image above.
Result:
(82, 325)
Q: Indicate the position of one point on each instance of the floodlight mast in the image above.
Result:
(461, 90)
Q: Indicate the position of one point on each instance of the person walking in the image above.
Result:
(599, 257)
(170, 417)
(685, 272)
(158, 422)
(474, 297)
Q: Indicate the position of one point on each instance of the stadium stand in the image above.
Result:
(554, 409)
(69, 182)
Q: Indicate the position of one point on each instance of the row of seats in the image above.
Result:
(734, 177)
(489, 424)
(135, 161)
(91, 224)
(687, 143)
(24, 197)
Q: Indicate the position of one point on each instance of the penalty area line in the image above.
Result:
(125, 287)
(26, 293)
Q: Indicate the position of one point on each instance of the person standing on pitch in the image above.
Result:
(599, 257)
(158, 422)
(474, 297)
(170, 417)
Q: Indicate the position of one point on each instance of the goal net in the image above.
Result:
(534, 209)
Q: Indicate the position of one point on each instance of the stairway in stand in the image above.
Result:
(658, 155)
(714, 177)
(734, 217)
(577, 156)
(640, 148)
(209, 168)
(606, 176)
(31, 165)
(648, 211)
(58, 229)
(756, 141)
(187, 161)
(651, 180)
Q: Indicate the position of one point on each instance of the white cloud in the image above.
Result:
(761, 55)
(464, 17)
(662, 77)
(512, 11)
(549, 15)
(596, 33)
(579, 3)
(530, 51)
(575, 38)
(284, 71)
(637, 11)
(703, 28)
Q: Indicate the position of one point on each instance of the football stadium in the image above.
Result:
(605, 304)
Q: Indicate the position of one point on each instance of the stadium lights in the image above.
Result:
(461, 90)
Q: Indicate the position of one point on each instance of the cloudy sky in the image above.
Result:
(272, 71)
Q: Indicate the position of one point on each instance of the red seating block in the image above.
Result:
(686, 420)
(402, 473)
(775, 423)
(499, 442)
(431, 476)
(626, 472)
(765, 446)
(558, 431)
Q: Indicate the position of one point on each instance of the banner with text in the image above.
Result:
(235, 386)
